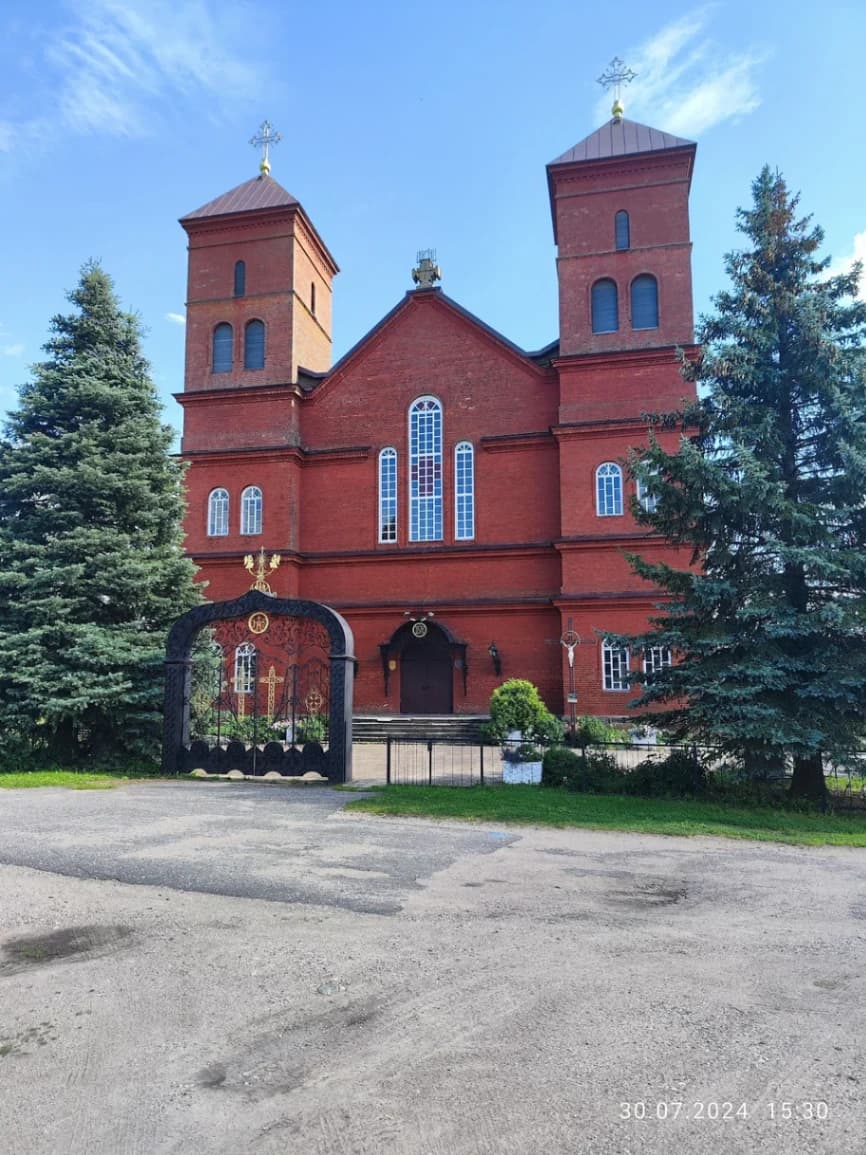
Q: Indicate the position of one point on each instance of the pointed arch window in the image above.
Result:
(388, 495)
(622, 230)
(614, 666)
(464, 492)
(608, 490)
(254, 345)
(222, 348)
(251, 510)
(645, 302)
(218, 513)
(605, 306)
(245, 668)
(425, 470)
(240, 278)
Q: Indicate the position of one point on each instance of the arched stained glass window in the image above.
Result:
(245, 668)
(622, 230)
(614, 666)
(605, 307)
(240, 278)
(218, 513)
(464, 492)
(425, 470)
(254, 345)
(222, 348)
(388, 495)
(644, 302)
(608, 490)
(251, 510)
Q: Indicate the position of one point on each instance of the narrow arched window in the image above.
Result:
(605, 307)
(245, 668)
(218, 513)
(313, 297)
(622, 230)
(254, 345)
(608, 490)
(644, 302)
(222, 348)
(251, 510)
(425, 470)
(647, 498)
(614, 666)
(388, 495)
(464, 492)
(240, 278)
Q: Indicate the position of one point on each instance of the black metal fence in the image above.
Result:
(446, 762)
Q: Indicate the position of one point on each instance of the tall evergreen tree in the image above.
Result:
(92, 570)
(767, 495)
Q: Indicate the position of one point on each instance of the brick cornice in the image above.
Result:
(270, 392)
(615, 360)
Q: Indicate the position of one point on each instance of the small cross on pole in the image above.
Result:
(616, 75)
(264, 138)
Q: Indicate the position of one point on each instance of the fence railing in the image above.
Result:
(449, 762)
(445, 762)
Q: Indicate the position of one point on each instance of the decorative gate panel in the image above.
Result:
(262, 690)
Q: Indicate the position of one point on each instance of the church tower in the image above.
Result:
(258, 316)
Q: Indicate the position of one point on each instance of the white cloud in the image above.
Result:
(12, 350)
(176, 318)
(858, 253)
(114, 68)
(685, 84)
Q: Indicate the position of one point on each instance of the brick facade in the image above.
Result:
(309, 436)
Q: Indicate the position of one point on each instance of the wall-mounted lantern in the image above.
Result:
(495, 658)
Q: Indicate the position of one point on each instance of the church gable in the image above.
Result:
(429, 345)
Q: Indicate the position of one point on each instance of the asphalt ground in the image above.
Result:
(231, 968)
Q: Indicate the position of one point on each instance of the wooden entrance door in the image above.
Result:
(426, 678)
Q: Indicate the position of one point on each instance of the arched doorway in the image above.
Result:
(426, 671)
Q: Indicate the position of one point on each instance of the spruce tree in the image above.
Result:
(767, 497)
(92, 569)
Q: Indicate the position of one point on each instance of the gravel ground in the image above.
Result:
(218, 969)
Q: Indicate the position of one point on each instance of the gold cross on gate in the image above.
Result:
(271, 682)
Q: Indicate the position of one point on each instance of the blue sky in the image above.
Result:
(405, 125)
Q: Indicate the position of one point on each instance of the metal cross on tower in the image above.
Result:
(615, 76)
(264, 138)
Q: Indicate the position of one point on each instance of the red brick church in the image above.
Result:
(461, 501)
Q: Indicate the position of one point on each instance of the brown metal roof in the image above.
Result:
(262, 192)
(621, 138)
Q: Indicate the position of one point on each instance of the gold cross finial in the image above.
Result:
(260, 567)
(616, 75)
(264, 138)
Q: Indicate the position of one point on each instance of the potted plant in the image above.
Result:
(520, 721)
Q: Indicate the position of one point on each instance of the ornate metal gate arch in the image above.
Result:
(309, 649)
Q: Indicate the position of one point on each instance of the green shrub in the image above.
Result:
(312, 728)
(517, 705)
(558, 764)
(582, 773)
(592, 731)
(680, 775)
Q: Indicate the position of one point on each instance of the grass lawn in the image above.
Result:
(74, 779)
(532, 805)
